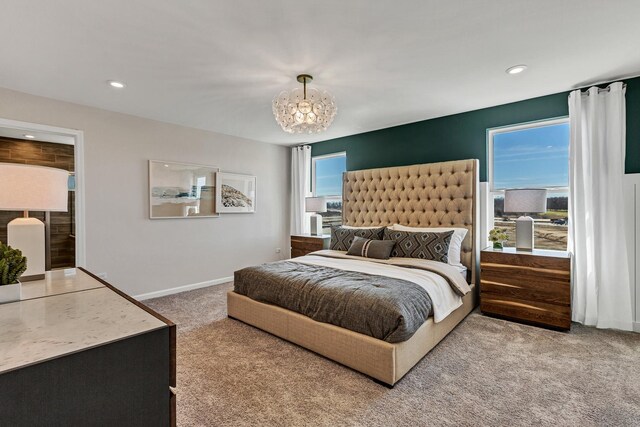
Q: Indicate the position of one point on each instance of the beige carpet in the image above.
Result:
(486, 372)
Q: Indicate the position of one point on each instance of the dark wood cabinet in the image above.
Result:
(532, 287)
(79, 352)
(304, 244)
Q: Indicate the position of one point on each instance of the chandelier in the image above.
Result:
(302, 111)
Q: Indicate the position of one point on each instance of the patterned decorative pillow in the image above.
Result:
(342, 238)
(379, 249)
(427, 245)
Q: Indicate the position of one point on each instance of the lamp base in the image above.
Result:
(316, 225)
(27, 234)
(524, 233)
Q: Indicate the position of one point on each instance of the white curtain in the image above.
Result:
(300, 188)
(601, 293)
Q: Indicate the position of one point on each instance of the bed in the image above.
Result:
(428, 195)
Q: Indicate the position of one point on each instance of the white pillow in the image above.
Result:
(455, 245)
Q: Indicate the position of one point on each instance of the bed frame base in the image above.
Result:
(385, 362)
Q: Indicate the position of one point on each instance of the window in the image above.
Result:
(532, 155)
(326, 180)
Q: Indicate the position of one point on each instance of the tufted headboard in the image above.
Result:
(429, 195)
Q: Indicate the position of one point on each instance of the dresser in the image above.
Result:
(303, 244)
(532, 287)
(77, 351)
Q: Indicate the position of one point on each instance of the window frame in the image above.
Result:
(313, 173)
(511, 128)
(491, 190)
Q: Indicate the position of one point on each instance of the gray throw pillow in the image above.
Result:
(379, 249)
(423, 245)
(342, 238)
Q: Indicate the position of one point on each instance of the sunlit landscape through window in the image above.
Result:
(328, 182)
(534, 157)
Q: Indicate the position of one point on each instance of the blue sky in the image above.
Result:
(329, 175)
(532, 158)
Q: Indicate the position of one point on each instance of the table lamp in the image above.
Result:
(315, 205)
(31, 188)
(525, 201)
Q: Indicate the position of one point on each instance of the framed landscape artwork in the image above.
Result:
(182, 190)
(237, 193)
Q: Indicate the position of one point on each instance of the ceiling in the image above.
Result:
(217, 65)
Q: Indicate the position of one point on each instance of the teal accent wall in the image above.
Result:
(463, 136)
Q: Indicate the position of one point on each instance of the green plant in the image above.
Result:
(12, 264)
(498, 235)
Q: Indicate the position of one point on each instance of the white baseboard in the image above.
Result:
(636, 326)
(183, 288)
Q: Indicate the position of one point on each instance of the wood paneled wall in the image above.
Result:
(62, 245)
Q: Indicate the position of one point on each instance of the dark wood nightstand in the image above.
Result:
(532, 287)
(304, 244)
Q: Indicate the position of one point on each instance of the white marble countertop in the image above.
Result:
(59, 282)
(40, 329)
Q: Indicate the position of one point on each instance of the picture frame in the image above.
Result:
(237, 193)
(182, 190)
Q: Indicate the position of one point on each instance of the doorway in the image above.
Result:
(43, 145)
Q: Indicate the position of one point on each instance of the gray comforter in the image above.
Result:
(382, 307)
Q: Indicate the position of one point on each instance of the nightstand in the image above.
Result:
(301, 245)
(531, 287)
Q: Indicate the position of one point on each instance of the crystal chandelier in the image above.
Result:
(302, 111)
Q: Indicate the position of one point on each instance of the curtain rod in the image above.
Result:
(606, 89)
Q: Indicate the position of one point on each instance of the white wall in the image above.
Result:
(632, 214)
(486, 214)
(140, 255)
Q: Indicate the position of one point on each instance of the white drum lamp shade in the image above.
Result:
(31, 188)
(315, 205)
(525, 200)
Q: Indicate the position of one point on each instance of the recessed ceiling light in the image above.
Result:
(28, 136)
(516, 69)
(116, 84)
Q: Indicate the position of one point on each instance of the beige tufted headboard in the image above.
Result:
(429, 195)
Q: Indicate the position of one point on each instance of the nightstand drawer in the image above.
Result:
(528, 285)
(299, 252)
(532, 287)
(306, 244)
(541, 313)
(303, 245)
(529, 260)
